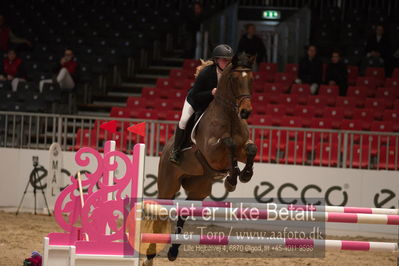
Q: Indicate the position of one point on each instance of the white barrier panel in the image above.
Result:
(351, 187)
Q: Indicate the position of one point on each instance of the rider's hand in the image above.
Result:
(214, 91)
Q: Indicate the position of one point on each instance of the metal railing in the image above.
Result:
(283, 145)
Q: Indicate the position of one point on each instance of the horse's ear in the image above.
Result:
(252, 59)
(234, 60)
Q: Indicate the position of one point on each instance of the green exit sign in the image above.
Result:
(271, 14)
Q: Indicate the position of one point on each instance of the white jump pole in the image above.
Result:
(254, 214)
(317, 208)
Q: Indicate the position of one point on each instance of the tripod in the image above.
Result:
(34, 178)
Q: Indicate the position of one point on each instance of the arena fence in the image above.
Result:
(284, 145)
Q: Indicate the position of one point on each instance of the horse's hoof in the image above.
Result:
(246, 175)
(229, 187)
(172, 254)
(148, 263)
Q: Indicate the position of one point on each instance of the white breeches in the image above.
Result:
(63, 78)
(187, 112)
(14, 83)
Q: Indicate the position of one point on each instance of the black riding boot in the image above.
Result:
(177, 145)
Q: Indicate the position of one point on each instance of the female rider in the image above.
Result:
(201, 94)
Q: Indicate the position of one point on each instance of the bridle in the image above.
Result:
(240, 97)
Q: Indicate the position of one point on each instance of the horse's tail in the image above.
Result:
(204, 64)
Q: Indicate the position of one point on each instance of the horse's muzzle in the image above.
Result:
(244, 114)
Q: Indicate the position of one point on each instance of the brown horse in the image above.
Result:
(222, 139)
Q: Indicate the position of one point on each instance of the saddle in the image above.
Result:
(189, 141)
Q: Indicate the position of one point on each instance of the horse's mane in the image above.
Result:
(204, 64)
(224, 86)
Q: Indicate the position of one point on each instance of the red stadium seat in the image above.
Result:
(148, 114)
(360, 156)
(277, 88)
(396, 104)
(178, 73)
(191, 64)
(390, 93)
(333, 112)
(388, 158)
(291, 68)
(274, 99)
(267, 150)
(353, 125)
(176, 105)
(395, 73)
(119, 112)
(257, 86)
(259, 98)
(392, 83)
(369, 82)
(288, 100)
(318, 100)
(163, 105)
(166, 131)
(378, 103)
(294, 153)
(187, 84)
(350, 101)
(357, 91)
(134, 102)
(292, 121)
(269, 68)
(135, 112)
(348, 112)
(326, 154)
(165, 93)
(173, 115)
(259, 76)
(164, 83)
(85, 138)
(121, 139)
(300, 89)
(177, 83)
(285, 78)
(304, 111)
(150, 93)
(329, 90)
(275, 110)
(175, 94)
(378, 73)
(260, 120)
(260, 109)
(353, 73)
(382, 126)
(391, 115)
(367, 114)
(323, 123)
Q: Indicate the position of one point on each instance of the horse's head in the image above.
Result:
(241, 75)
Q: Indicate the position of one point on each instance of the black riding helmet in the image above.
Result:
(222, 51)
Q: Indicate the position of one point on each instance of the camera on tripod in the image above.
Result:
(35, 160)
(35, 181)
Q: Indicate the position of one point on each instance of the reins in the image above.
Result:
(240, 97)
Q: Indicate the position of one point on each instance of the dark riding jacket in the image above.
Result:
(200, 95)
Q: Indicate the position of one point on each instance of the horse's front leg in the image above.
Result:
(174, 249)
(230, 182)
(249, 153)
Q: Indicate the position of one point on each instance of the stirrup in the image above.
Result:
(174, 157)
